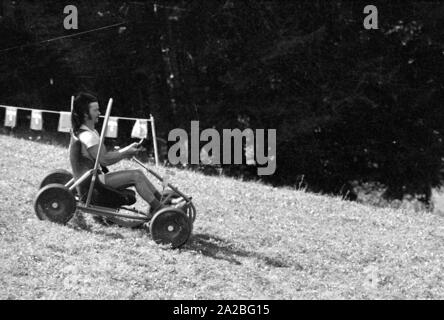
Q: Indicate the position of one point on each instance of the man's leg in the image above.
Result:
(135, 178)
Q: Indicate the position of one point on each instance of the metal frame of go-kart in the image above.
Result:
(139, 217)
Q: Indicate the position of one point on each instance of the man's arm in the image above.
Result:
(108, 158)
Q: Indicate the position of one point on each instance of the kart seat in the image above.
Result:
(103, 195)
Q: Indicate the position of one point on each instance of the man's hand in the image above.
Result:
(132, 150)
(112, 157)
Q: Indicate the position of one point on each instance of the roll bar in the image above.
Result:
(102, 139)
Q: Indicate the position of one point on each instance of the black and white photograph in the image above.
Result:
(237, 152)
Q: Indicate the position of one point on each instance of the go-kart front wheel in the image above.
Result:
(55, 203)
(170, 226)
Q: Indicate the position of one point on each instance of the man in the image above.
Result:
(85, 115)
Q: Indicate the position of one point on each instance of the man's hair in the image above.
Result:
(80, 109)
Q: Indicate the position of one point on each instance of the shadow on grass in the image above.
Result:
(221, 249)
(208, 245)
(79, 223)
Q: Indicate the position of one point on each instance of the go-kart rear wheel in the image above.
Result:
(55, 203)
(170, 226)
(60, 176)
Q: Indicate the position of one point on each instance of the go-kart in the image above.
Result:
(61, 194)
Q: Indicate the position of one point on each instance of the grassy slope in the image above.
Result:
(250, 241)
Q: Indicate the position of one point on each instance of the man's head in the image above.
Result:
(86, 108)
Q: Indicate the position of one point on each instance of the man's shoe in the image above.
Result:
(176, 201)
(183, 206)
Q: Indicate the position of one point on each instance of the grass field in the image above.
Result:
(250, 241)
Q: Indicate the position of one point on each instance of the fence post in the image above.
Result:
(153, 131)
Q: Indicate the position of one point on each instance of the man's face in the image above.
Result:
(94, 111)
